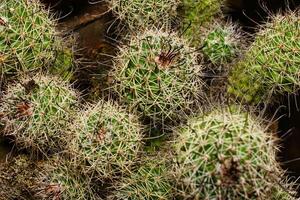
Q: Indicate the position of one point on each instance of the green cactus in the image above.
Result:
(138, 14)
(28, 40)
(59, 179)
(18, 178)
(150, 182)
(220, 45)
(108, 140)
(226, 154)
(158, 75)
(198, 14)
(37, 113)
(271, 66)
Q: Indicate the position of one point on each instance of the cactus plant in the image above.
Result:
(150, 182)
(196, 15)
(108, 140)
(139, 14)
(220, 45)
(158, 74)
(37, 113)
(60, 179)
(270, 67)
(28, 40)
(226, 154)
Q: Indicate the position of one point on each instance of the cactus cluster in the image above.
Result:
(158, 74)
(150, 181)
(138, 14)
(271, 65)
(220, 45)
(108, 140)
(37, 112)
(226, 154)
(28, 40)
(197, 14)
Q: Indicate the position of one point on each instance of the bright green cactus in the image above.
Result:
(37, 113)
(157, 74)
(59, 179)
(220, 45)
(108, 140)
(198, 14)
(150, 182)
(271, 66)
(28, 40)
(138, 14)
(226, 154)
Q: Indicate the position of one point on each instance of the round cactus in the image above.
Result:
(150, 181)
(270, 67)
(61, 180)
(220, 45)
(108, 140)
(158, 75)
(226, 154)
(37, 112)
(28, 40)
(196, 15)
(139, 14)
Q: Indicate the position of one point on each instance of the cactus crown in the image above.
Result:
(139, 14)
(28, 40)
(226, 154)
(108, 139)
(38, 112)
(158, 75)
(270, 67)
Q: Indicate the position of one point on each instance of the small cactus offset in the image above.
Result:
(271, 66)
(226, 154)
(108, 140)
(37, 113)
(220, 46)
(150, 182)
(139, 14)
(158, 74)
(28, 40)
(59, 179)
(196, 15)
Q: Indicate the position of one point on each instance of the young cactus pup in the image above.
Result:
(37, 113)
(226, 154)
(108, 140)
(138, 14)
(221, 44)
(158, 75)
(271, 65)
(150, 181)
(28, 40)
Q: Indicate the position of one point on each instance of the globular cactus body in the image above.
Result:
(28, 40)
(271, 66)
(158, 75)
(108, 140)
(226, 154)
(37, 112)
